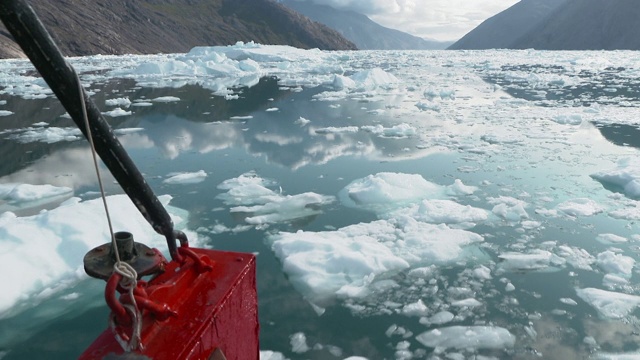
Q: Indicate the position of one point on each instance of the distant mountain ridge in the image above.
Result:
(362, 31)
(587, 25)
(88, 27)
(503, 30)
(559, 25)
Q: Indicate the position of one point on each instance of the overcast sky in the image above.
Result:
(435, 19)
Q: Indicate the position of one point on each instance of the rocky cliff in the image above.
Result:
(88, 27)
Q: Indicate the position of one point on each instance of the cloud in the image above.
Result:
(367, 7)
(436, 19)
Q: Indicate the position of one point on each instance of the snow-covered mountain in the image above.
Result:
(362, 31)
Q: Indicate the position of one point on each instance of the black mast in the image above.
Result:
(29, 32)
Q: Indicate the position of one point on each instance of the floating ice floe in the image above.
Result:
(47, 249)
(261, 205)
(415, 309)
(302, 121)
(536, 260)
(5, 112)
(18, 196)
(626, 177)
(580, 207)
(222, 68)
(345, 263)
(186, 178)
(610, 305)
(48, 135)
(509, 208)
(396, 131)
(337, 130)
(124, 102)
(468, 338)
(271, 355)
(299, 343)
(443, 212)
(618, 356)
(117, 112)
(575, 119)
(616, 264)
(166, 99)
(609, 239)
(381, 190)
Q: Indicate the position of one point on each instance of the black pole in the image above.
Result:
(29, 32)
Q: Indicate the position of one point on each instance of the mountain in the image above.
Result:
(88, 27)
(503, 30)
(362, 31)
(587, 25)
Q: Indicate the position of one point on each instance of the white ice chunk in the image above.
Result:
(166, 99)
(443, 212)
(612, 280)
(48, 135)
(610, 305)
(575, 119)
(534, 261)
(260, 205)
(611, 239)
(616, 264)
(468, 337)
(187, 178)
(576, 257)
(123, 101)
(482, 272)
(580, 207)
(24, 193)
(342, 82)
(284, 208)
(469, 302)
(299, 343)
(417, 308)
(625, 176)
(618, 356)
(246, 189)
(440, 318)
(302, 121)
(509, 208)
(373, 78)
(337, 130)
(320, 264)
(382, 189)
(568, 301)
(459, 189)
(117, 112)
(397, 131)
(271, 355)
(47, 249)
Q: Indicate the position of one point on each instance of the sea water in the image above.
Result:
(402, 204)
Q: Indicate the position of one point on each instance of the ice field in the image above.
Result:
(403, 204)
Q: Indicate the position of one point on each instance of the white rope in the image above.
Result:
(129, 275)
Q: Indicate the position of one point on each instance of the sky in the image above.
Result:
(443, 20)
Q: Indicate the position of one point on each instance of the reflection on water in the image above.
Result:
(262, 131)
(621, 134)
